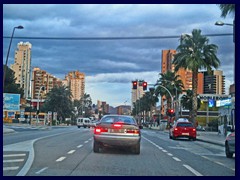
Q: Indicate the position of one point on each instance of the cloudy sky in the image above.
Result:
(111, 64)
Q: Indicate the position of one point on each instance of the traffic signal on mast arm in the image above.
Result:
(144, 84)
(170, 112)
(134, 84)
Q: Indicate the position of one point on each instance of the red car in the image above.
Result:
(183, 128)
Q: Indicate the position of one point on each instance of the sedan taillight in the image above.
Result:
(133, 131)
(98, 130)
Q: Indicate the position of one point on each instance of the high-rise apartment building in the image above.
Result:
(42, 78)
(75, 80)
(185, 74)
(22, 67)
(103, 107)
(214, 82)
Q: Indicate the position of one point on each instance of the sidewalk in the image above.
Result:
(204, 136)
(7, 129)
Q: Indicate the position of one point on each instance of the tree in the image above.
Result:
(227, 9)
(10, 86)
(86, 103)
(195, 53)
(172, 82)
(186, 100)
(59, 100)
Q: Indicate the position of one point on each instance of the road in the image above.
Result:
(67, 151)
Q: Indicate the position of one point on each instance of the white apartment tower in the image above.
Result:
(22, 66)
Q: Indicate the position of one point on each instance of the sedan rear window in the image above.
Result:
(184, 125)
(112, 119)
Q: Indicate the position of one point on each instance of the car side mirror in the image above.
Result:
(140, 127)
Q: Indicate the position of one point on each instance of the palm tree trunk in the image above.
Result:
(194, 105)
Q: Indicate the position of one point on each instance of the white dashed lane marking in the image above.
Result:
(71, 152)
(40, 171)
(60, 159)
(192, 170)
(79, 146)
(176, 159)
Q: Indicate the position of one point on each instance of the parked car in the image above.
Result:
(118, 131)
(200, 128)
(83, 122)
(230, 145)
(182, 128)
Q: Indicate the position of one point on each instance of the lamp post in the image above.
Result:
(176, 99)
(5, 68)
(41, 89)
(220, 23)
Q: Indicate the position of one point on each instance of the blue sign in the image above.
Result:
(11, 102)
(210, 103)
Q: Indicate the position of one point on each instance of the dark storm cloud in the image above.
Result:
(113, 61)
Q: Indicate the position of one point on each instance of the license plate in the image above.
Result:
(116, 131)
(186, 134)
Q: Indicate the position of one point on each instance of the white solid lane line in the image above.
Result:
(192, 170)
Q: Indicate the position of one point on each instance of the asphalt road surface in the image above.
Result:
(67, 151)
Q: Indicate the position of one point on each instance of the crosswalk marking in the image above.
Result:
(13, 155)
(10, 168)
(13, 160)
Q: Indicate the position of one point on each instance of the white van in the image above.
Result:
(83, 122)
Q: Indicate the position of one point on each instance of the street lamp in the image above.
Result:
(42, 88)
(5, 69)
(220, 23)
(176, 99)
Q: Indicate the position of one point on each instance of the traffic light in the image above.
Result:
(170, 112)
(144, 84)
(134, 84)
(37, 112)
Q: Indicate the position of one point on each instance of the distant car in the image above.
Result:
(94, 123)
(182, 128)
(118, 131)
(83, 122)
(230, 145)
(200, 128)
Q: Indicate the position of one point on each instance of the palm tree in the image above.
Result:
(227, 9)
(172, 82)
(186, 100)
(195, 53)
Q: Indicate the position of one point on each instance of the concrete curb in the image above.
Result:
(7, 131)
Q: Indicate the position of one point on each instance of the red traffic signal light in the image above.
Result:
(144, 86)
(134, 84)
(170, 112)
